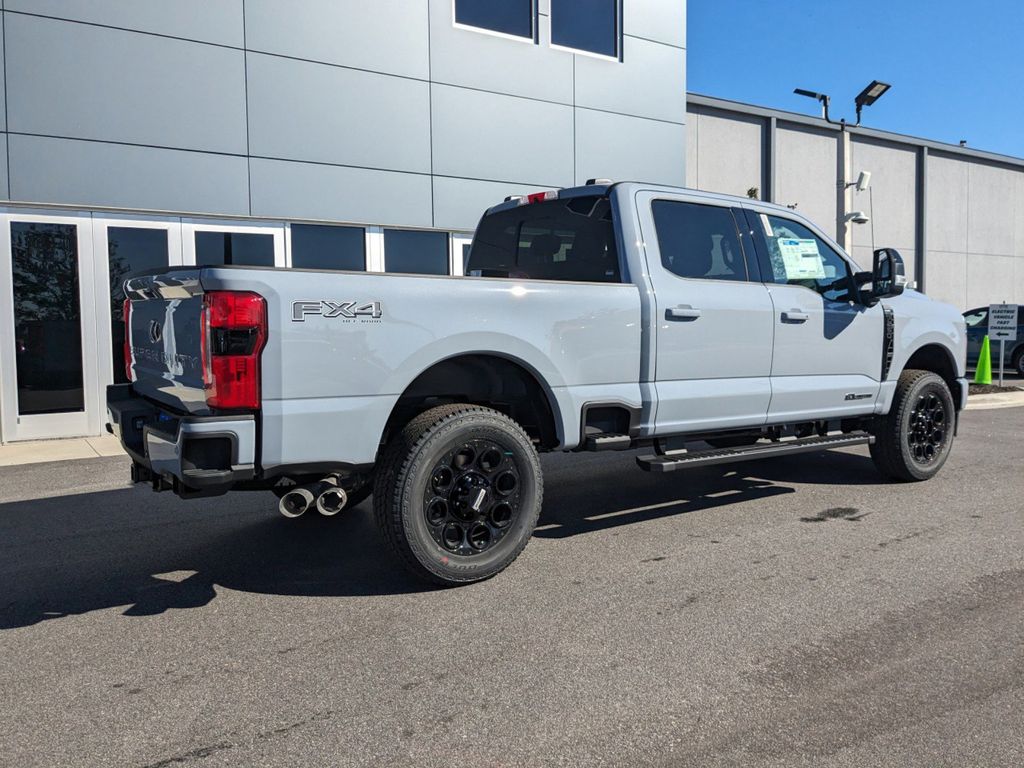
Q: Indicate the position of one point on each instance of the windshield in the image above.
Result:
(571, 239)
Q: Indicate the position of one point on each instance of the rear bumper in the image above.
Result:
(193, 455)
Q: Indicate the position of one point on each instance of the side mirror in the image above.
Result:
(888, 276)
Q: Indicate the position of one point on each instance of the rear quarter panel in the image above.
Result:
(330, 383)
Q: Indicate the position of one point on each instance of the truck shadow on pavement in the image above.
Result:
(582, 498)
(73, 554)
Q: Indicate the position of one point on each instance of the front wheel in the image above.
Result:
(457, 493)
(913, 440)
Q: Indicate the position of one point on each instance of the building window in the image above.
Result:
(214, 249)
(415, 252)
(586, 25)
(506, 17)
(327, 247)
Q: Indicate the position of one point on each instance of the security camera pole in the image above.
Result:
(872, 93)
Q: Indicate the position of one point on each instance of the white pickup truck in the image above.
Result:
(703, 328)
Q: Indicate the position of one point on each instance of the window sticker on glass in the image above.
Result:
(801, 259)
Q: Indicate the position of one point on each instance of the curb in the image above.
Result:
(65, 449)
(995, 400)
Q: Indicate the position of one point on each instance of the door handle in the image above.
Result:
(682, 312)
(794, 316)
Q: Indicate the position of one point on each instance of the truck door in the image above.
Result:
(712, 317)
(827, 360)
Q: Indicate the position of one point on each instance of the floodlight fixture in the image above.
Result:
(875, 90)
(824, 98)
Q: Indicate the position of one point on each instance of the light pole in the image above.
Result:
(844, 196)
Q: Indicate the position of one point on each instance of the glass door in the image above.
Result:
(122, 246)
(48, 347)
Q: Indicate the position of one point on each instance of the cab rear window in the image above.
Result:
(571, 239)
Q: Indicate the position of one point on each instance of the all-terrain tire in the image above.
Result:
(913, 440)
(428, 451)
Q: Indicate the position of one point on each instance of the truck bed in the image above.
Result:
(342, 347)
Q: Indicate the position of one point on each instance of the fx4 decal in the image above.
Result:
(345, 309)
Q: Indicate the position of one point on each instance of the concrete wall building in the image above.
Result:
(141, 133)
(955, 213)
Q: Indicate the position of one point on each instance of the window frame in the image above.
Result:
(534, 38)
(288, 243)
(619, 37)
(276, 229)
(456, 241)
(383, 255)
(750, 261)
(101, 226)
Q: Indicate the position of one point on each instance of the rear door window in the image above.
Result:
(699, 241)
(562, 239)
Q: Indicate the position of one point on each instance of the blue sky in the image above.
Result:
(957, 68)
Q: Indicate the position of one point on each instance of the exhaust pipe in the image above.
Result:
(331, 501)
(295, 502)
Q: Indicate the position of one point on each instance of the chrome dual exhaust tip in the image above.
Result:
(326, 496)
(295, 502)
(331, 501)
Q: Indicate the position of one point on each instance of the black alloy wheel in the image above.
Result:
(929, 427)
(473, 497)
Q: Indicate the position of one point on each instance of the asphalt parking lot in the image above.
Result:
(795, 612)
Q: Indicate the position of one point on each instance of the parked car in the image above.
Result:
(977, 329)
(602, 317)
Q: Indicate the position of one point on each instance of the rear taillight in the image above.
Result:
(233, 332)
(127, 312)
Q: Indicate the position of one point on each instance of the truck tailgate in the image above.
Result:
(165, 339)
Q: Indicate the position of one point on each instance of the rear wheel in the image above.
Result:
(457, 493)
(1018, 361)
(913, 440)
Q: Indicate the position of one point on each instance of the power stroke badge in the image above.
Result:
(350, 311)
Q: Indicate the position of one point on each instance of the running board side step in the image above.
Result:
(729, 455)
(607, 441)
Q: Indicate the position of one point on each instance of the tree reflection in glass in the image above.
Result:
(47, 318)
